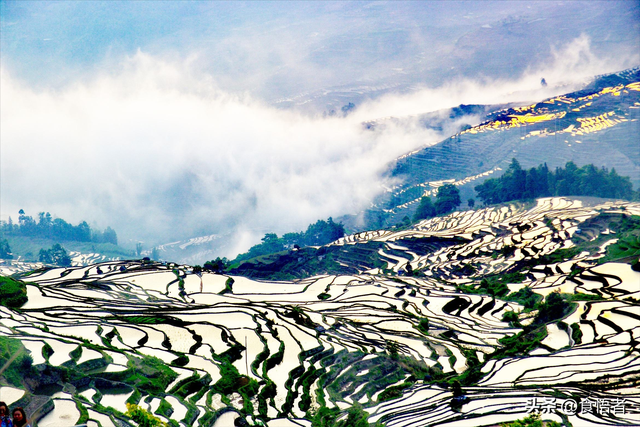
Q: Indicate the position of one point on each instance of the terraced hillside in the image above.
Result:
(440, 324)
(598, 125)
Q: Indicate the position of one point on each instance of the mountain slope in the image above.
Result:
(470, 313)
(598, 125)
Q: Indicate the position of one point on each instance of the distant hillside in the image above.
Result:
(395, 250)
(598, 124)
(28, 239)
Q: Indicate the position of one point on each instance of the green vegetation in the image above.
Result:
(290, 265)
(27, 248)
(336, 259)
(518, 184)
(596, 231)
(232, 381)
(137, 320)
(218, 265)
(394, 392)
(520, 344)
(21, 366)
(13, 293)
(56, 229)
(555, 307)
(165, 409)
(356, 417)
(76, 353)
(391, 373)
(524, 296)
(84, 414)
(146, 375)
(470, 376)
(423, 325)
(425, 209)
(5, 249)
(28, 236)
(582, 297)
(320, 233)
(576, 333)
(626, 248)
(56, 255)
(324, 417)
(557, 256)
(143, 417)
(532, 420)
(511, 317)
(447, 200)
(495, 284)
(385, 371)
(149, 374)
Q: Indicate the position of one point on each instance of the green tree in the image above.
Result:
(471, 203)
(323, 232)
(217, 265)
(5, 249)
(554, 307)
(489, 191)
(320, 233)
(56, 255)
(447, 199)
(425, 209)
(27, 224)
(514, 181)
(110, 236)
(44, 223)
(82, 232)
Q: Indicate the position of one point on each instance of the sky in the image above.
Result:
(168, 120)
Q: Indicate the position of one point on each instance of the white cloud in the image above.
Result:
(154, 149)
(570, 67)
(158, 151)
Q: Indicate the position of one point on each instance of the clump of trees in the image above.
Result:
(217, 265)
(447, 200)
(425, 210)
(55, 255)
(517, 183)
(56, 229)
(5, 249)
(320, 233)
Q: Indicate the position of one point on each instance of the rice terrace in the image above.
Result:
(193, 347)
(325, 214)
